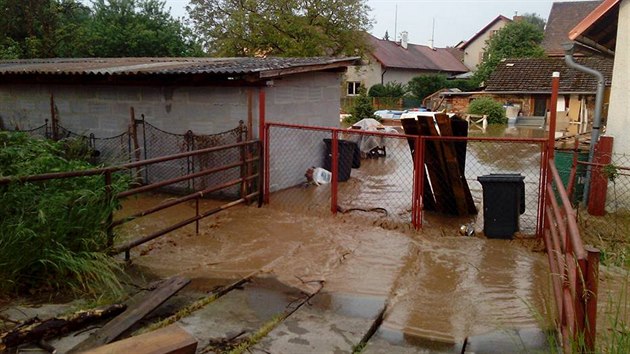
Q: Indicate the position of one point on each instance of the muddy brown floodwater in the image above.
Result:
(440, 286)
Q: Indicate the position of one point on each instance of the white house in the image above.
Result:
(475, 47)
(390, 61)
(607, 29)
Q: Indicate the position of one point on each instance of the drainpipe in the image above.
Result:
(599, 103)
(383, 76)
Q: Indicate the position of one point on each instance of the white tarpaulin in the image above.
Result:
(368, 142)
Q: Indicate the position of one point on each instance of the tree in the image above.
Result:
(39, 28)
(362, 107)
(519, 39)
(121, 28)
(535, 20)
(422, 86)
(111, 28)
(290, 28)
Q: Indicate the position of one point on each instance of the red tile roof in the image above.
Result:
(599, 28)
(534, 75)
(416, 57)
(562, 18)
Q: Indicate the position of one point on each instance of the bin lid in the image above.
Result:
(501, 177)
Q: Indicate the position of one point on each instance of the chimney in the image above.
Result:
(403, 39)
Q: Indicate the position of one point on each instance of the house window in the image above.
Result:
(353, 88)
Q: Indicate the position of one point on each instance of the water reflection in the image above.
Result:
(502, 130)
(452, 288)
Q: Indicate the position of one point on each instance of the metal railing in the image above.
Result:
(249, 163)
(574, 268)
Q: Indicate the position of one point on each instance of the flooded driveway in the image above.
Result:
(438, 286)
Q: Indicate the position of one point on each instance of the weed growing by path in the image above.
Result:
(53, 233)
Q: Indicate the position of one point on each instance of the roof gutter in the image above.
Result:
(599, 103)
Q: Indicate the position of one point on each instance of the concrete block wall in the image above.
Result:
(310, 99)
(307, 99)
(304, 99)
(104, 110)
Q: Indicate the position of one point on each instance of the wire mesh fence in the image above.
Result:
(146, 141)
(383, 180)
(377, 174)
(512, 159)
(606, 225)
(291, 153)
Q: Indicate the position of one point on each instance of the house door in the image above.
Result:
(540, 106)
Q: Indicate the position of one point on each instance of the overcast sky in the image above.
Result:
(455, 20)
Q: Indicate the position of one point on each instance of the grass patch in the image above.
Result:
(613, 331)
(261, 333)
(609, 233)
(53, 233)
(197, 305)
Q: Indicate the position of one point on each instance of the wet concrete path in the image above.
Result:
(440, 288)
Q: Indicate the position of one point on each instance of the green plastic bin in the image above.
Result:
(564, 162)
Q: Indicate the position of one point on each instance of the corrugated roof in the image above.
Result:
(534, 75)
(562, 18)
(264, 67)
(417, 57)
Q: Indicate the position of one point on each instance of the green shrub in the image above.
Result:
(493, 109)
(390, 89)
(53, 233)
(378, 90)
(362, 108)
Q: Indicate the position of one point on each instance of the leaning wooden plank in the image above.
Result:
(411, 127)
(140, 306)
(438, 172)
(459, 185)
(167, 340)
(35, 329)
(460, 128)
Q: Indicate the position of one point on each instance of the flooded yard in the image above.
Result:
(433, 288)
(439, 287)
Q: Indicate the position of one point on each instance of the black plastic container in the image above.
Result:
(503, 203)
(346, 151)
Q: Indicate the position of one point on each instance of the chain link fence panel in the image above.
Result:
(609, 232)
(376, 174)
(292, 152)
(220, 158)
(383, 181)
(43, 131)
(497, 156)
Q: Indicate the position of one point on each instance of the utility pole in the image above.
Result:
(396, 24)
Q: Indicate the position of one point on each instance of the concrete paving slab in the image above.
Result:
(388, 340)
(239, 313)
(331, 323)
(524, 340)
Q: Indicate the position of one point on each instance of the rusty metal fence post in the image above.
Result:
(334, 166)
(266, 137)
(189, 139)
(110, 217)
(591, 297)
(418, 171)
